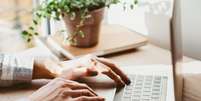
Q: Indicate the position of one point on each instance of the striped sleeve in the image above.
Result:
(15, 69)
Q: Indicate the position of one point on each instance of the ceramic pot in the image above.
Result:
(91, 28)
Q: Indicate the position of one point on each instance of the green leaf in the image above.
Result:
(88, 16)
(39, 15)
(35, 22)
(72, 16)
(36, 33)
(135, 2)
(24, 33)
(81, 33)
(131, 6)
(74, 8)
(63, 30)
(29, 40)
(31, 28)
(30, 35)
(124, 5)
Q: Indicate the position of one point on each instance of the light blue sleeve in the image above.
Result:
(15, 69)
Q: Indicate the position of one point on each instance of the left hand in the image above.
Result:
(60, 89)
(90, 65)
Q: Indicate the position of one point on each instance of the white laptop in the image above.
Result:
(153, 82)
(148, 83)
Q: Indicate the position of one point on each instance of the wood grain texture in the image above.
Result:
(145, 55)
(111, 37)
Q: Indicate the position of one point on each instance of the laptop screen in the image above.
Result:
(185, 41)
(176, 49)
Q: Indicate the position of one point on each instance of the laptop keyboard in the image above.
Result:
(146, 88)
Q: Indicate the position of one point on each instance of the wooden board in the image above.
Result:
(113, 38)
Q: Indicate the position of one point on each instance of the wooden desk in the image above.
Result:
(145, 55)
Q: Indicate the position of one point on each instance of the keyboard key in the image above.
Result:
(155, 97)
(144, 88)
(136, 91)
(135, 100)
(128, 88)
(157, 77)
(146, 99)
(126, 99)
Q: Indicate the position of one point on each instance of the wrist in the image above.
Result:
(24, 99)
(46, 69)
(68, 74)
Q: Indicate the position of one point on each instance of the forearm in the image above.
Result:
(40, 72)
(49, 69)
(22, 69)
(45, 69)
(15, 69)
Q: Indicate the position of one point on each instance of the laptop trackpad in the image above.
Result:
(103, 86)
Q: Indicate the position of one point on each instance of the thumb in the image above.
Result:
(86, 71)
(91, 72)
(82, 72)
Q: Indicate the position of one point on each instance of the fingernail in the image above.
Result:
(128, 81)
(120, 85)
(92, 72)
(102, 99)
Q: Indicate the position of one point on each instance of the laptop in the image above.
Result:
(148, 83)
(154, 82)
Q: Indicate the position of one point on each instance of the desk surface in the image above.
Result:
(145, 55)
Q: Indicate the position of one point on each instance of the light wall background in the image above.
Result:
(152, 18)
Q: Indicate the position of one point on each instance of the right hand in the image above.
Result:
(61, 89)
(91, 65)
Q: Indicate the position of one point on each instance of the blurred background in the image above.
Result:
(150, 18)
(15, 13)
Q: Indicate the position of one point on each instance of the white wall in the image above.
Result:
(152, 18)
(133, 19)
(191, 21)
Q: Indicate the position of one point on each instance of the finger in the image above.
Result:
(83, 72)
(116, 69)
(86, 71)
(78, 93)
(83, 86)
(114, 77)
(110, 73)
(85, 98)
(87, 63)
(75, 85)
(91, 72)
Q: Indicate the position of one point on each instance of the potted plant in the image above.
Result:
(82, 19)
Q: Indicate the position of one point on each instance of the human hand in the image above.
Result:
(45, 63)
(90, 65)
(61, 89)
